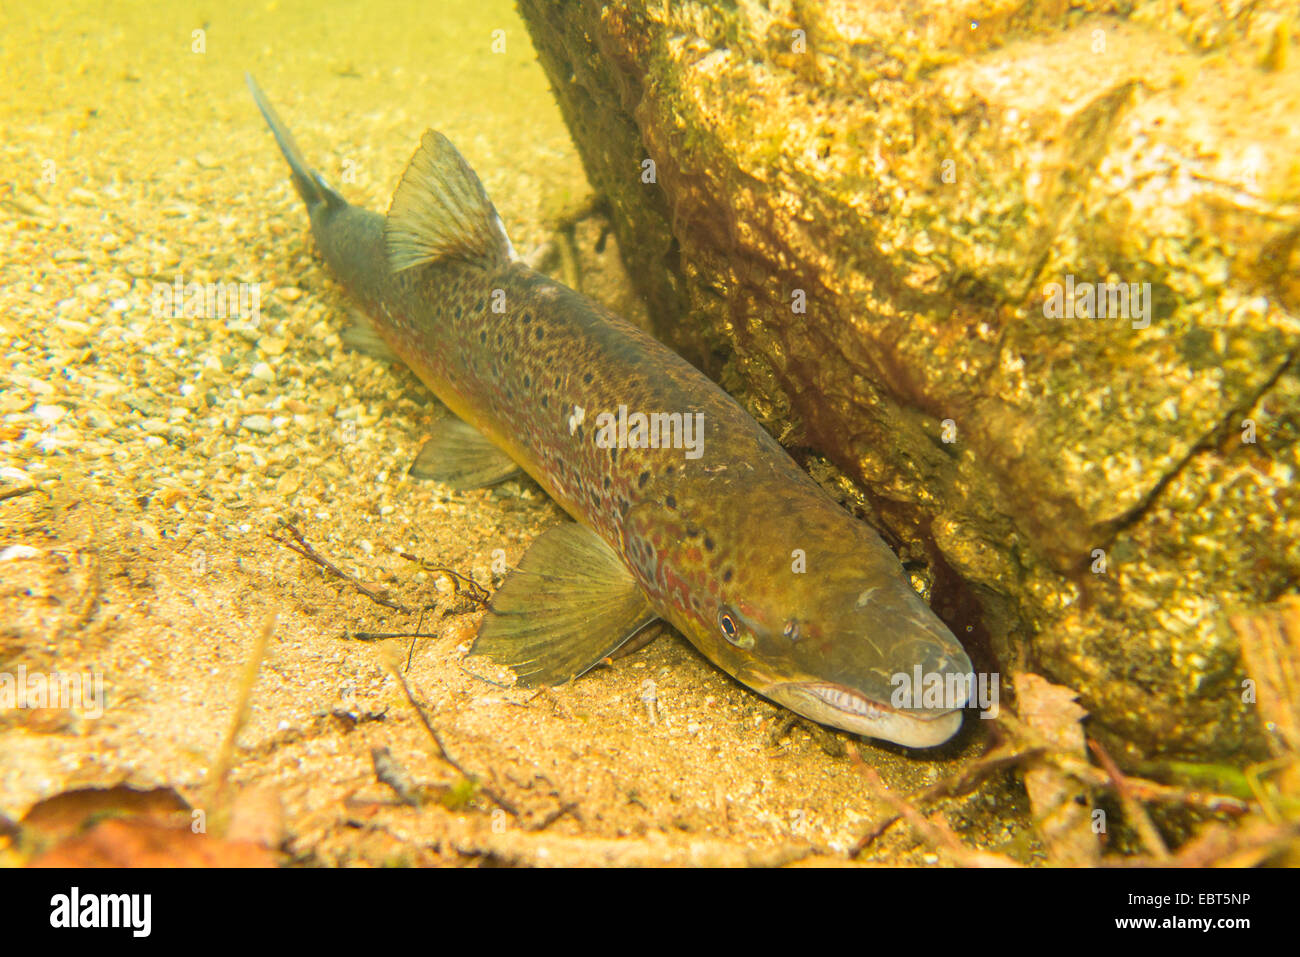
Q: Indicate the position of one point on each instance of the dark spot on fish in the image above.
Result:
(482, 336)
(539, 334)
(501, 338)
(557, 382)
(478, 306)
(528, 317)
(671, 501)
(708, 544)
(669, 470)
(528, 380)
(586, 377)
(642, 479)
(608, 483)
(458, 311)
(613, 454)
(544, 401)
(727, 575)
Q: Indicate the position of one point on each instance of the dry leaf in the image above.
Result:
(143, 843)
(65, 814)
(1064, 821)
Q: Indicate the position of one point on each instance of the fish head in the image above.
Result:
(818, 615)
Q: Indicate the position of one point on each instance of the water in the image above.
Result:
(175, 393)
(167, 444)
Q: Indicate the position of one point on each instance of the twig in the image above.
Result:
(410, 652)
(300, 545)
(476, 593)
(569, 807)
(548, 692)
(88, 600)
(1140, 788)
(1155, 844)
(934, 831)
(1225, 846)
(438, 743)
(246, 683)
(388, 771)
(87, 558)
(1000, 758)
(381, 635)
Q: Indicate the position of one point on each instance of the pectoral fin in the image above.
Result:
(459, 455)
(570, 603)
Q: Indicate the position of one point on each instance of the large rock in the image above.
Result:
(918, 175)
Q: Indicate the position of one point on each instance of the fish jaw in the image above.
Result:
(876, 688)
(840, 707)
(850, 644)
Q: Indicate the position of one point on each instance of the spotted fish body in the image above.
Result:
(728, 540)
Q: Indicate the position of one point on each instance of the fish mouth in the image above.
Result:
(840, 707)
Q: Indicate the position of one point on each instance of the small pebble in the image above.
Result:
(18, 551)
(259, 424)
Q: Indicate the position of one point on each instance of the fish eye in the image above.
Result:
(727, 624)
(731, 629)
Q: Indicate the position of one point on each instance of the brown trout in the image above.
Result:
(686, 509)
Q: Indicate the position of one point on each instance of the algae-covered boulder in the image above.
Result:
(1027, 274)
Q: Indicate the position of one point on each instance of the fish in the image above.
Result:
(686, 509)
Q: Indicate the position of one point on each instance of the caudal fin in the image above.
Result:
(306, 181)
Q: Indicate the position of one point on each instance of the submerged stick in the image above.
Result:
(443, 753)
(303, 548)
(247, 681)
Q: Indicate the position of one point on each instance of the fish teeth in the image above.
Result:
(845, 700)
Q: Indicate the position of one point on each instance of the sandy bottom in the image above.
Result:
(165, 449)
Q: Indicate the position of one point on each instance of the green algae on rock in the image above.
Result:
(856, 216)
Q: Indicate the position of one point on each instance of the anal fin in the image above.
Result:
(459, 455)
(569, 604)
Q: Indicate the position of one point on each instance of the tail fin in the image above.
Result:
(306, 181)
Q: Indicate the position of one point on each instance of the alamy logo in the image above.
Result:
(103, 910)
(212, 300)
(1098, 300)
(946, 691)
(654, 430)
(72, 691)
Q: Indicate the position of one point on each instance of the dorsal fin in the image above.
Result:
(440, 210)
